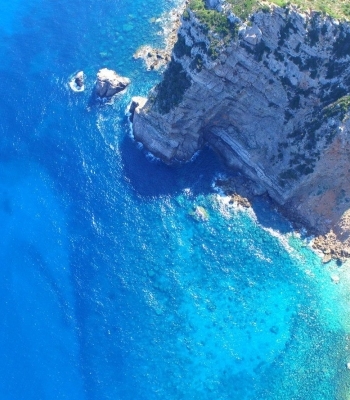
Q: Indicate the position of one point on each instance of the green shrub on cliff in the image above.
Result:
(346, 9)
(220, 29)
(244, 8)
(171, 89)
(339, 107)
(211, 19)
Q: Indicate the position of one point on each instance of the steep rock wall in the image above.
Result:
(272, 101)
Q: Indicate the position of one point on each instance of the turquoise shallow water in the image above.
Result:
(110, 288)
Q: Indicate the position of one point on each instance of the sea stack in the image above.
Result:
(109, 83)
(79, 79)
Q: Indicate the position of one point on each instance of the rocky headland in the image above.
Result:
(270, 92)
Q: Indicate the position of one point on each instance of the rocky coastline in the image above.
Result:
(271, 97)
(158, 58)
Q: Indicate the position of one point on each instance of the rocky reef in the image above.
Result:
(271, 95)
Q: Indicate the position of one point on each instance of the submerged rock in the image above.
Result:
(335, 278)
(274, 329)
(77, 82)
(110, 83)
(200, 214)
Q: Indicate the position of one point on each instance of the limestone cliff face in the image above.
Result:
(273, 102)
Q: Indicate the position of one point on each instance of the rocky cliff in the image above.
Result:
(271, 95)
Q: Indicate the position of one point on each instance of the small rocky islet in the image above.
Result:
(76, 83)
(109, 83)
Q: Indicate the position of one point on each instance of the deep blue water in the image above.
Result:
(109, 287)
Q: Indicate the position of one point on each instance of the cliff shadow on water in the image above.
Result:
(149, 177)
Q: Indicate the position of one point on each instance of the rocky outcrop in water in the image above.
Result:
(109, 83)
(273, 101)
(79, 79)
(77, 82)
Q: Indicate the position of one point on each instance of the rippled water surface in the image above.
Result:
(110, 286)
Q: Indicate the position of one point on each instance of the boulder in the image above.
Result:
(200, 214)
(109, 83)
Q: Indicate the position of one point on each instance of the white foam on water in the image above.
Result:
(152, 157)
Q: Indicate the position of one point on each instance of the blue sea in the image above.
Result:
(110, 287)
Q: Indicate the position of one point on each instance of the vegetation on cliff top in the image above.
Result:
(338, 9)
(212, 19)
(341, 106)
(221, 30)
(243, 8)
(214, 22)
